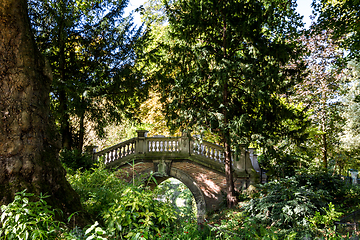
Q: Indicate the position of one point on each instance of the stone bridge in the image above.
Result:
(198, 164)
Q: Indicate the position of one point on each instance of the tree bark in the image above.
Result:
(66, 136)
(28, 146)
(230, 196)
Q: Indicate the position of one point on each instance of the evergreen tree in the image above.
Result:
(92, 49)
(226, 66)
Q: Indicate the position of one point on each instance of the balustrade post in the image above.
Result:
(253, 158)
(185, 143)
(140, 146)
(91, 150)
(241, 158)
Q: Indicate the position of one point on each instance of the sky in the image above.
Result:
(304, 8)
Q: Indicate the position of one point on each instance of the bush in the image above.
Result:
(75, 160)
(24, 219)
(138, 213)
(285, 204)
(98, 189)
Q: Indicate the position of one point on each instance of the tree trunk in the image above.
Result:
(324, 151)
(28, 150)
(81, 132)
(230, 196)
(66, 136)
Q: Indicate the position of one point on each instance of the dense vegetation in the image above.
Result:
(234, 72)
(289, 208)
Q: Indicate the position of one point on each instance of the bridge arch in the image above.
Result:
(199, 165)
(145, 170)
(195, 190)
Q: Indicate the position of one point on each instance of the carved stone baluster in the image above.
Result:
(216, 155)
(171, 146)
(166, 145)
(150, 146)
(115, 154)
(132, 147)
(161, 146)
(107, 157)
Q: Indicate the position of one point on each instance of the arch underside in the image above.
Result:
(190, 183)
(207, 185)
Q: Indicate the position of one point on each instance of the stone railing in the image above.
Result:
(162, 144)
(170, 148)
(117, 151)
(208, 150)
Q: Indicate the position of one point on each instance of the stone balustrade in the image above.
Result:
(208, 150)
(174, 148)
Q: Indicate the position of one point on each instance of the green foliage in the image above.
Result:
(326, 219)
(336, 187)
(96, 232)
(343, 18)
(25, 219)
(187, 230)
(92, 49)
(74, 159)
(285, 204)
(172, 190)
(98, 189)
(137, 212)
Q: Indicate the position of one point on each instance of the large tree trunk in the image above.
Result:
(28, 151)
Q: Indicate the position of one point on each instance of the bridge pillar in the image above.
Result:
(240, 163)
(140, 146)
(185, 144)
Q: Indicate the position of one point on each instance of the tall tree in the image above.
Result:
(226, 64)
(343, 17)
(28, 150)
(321, 90)
(350, 136)
(92, 49)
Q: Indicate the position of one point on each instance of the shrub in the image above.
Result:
(138, 213)
(75, 160)
(24, 219)
(98, 189)
(285, 204)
